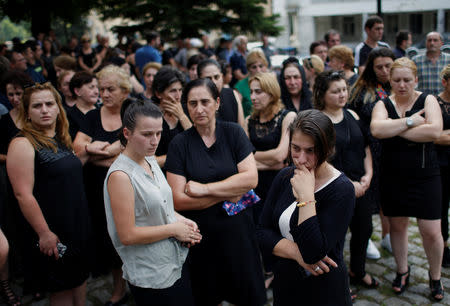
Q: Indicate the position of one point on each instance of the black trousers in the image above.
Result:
(361, 227)
(445, 178)
(180, 293)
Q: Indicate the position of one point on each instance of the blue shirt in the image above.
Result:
(147, 54)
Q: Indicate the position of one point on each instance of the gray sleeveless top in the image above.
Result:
(156, 265)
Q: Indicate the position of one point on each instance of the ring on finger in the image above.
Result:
(316, 269)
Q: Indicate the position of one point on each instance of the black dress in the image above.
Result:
(265, 136)
(349, 156)
(58, 189)
(226, 264)
(104, 254)
(320, 235)
(410, 183)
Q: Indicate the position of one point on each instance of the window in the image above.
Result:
(348, 24)
(415, 23)
(391, 22)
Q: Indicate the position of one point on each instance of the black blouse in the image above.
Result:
(350, 147)
(320, 235)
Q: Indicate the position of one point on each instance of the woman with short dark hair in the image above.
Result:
(305, 218)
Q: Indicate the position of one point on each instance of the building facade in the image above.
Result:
(305, 21)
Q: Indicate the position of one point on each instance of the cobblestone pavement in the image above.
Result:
(383, 269)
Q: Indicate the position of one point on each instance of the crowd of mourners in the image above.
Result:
(196, 175)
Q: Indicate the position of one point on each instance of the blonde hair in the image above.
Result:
(254, 56)
(404, 62)
(36, 137)
(122, 77)
(153, 65)
(445, 73)
(343, 54)
(314, 62)
(269, 85)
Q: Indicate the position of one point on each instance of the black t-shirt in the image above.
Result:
(351, 142)
(76, 120)
(93, 128)
(188, 155)
(362, 52)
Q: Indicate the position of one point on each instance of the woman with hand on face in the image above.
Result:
(97, 145)
(352, 156)
(167, 88)
(140, 214)
(84, 86)
(305, 218)
(295, 94)
(41, 160)
(443, 149)
(230, 104)
(208, 164)
(407, 122)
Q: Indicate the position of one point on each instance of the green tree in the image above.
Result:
(9, 30)
(187, 18)
(41, 13)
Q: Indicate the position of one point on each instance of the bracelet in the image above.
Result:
(301, 204)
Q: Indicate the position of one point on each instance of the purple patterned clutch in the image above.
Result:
(247, 200)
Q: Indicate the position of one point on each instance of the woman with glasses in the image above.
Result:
(88, 60)
(313, 65)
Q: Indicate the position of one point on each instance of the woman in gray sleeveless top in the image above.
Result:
(150, 237)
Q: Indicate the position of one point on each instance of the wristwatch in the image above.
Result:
(409, 122)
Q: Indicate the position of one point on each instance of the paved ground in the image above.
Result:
(383, 269)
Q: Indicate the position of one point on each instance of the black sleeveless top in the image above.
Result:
(444, 151)
(267, 135)
(228, 109)
(350, 147)
(59, 191)
(400, 153)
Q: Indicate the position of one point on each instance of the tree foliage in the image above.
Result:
(187, 18)
(9, 30)
(41, 12)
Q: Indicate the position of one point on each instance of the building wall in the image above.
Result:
(315, 17)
